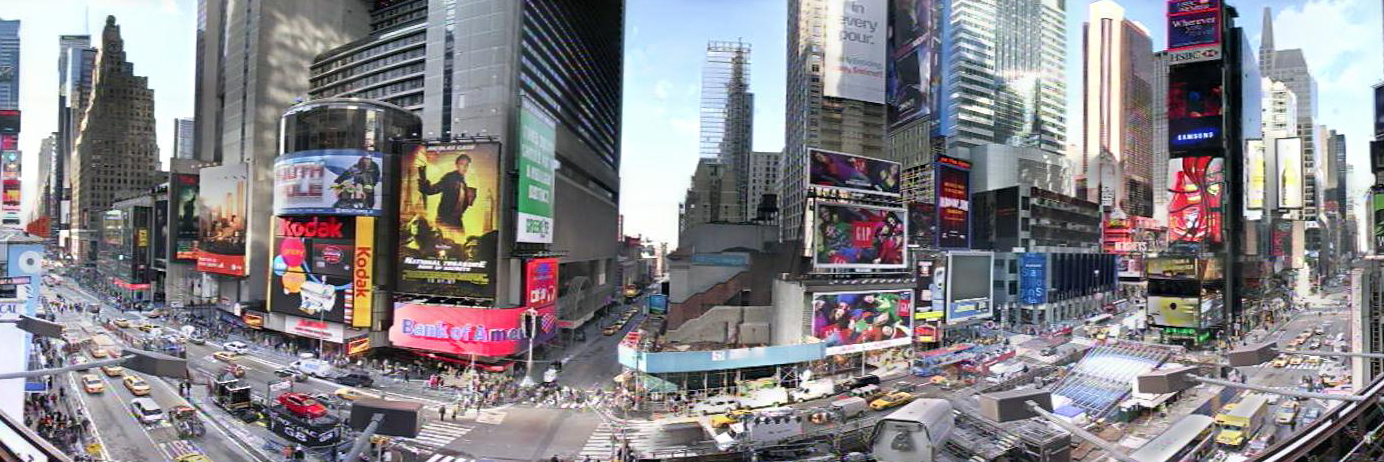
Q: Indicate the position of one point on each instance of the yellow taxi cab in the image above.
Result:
(723, 420)
(1314, 361)
(146, 327)
(93, 384)
(99, 353)
(1280, 361)
(1295, 360)
(113, 371)
(122, 323)
(137, 386)
(891, 400)
(612, 330)
(352, 394)
(224, 356)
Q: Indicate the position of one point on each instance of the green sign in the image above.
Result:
(536, 165)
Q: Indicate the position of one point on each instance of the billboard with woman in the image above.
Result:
(859, 321)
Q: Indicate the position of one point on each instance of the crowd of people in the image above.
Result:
(51, 414)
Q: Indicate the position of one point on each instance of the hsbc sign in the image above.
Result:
(1194, 55)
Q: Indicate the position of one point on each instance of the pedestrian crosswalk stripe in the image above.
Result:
(604, 439)
(439, 457)
(439, 434)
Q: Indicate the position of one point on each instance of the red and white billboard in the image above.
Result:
(462, 330)
(315, 328)
(540, 281)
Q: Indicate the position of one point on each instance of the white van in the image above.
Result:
(146, 410)
(850, 407)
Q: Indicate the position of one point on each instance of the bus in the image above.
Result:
(1187, 440)
(1240, 425)
(914, 433)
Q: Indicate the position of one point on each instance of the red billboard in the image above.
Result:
(540, 281)
(463, 330)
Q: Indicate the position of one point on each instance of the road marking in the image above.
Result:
(491, 417)
(436, 435)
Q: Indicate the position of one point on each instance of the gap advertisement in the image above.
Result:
(319, 272)
(458, 330)
(1195, 101)
(1194, 205)
(448, 219)
(221, 205)
(851, 322)
(853, 173)
(329, 182)
(859, 236)
(953, 204)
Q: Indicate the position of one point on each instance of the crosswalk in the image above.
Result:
(435, 435)
(1302, 366)
(439, 457)
(603, 441)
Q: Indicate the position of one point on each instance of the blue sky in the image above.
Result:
(667, 38)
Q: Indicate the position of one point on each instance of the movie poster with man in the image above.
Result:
(859, 321)
(329, 181)
(859, 236)
(448, 219)
(853, 173)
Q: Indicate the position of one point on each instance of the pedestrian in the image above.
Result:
(442, 411)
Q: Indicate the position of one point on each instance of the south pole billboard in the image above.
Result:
(448, 219)
(329, 182)
(859, 236)
(536, 165)
(221, 206)
(854, 50)
(1289, 175)
(852, 322)
(853, 173)
(968, 289)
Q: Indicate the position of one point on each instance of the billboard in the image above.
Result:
(184, 196)
(1129, 266)
(920, 223)
(1174, 311)
(221, 206)
(12, 194)
(1289, 151)
(858, 236)
(868, 319)
(1033, 278)
(540, 281)
(9, 142)
(461, 330)
(329, 182)
(9, 121)
(1378, 111)
(1195, 106)
(913, 75)
(1281, 239)
(9, 165)
(968, 289)
(1254, 174)
(1193, 24)
(925, 286)
(953, 204)
(1377, 211)
(1171, 267)
(536, 163)
(1196, 187)
(448, 218)
(852, 173)
(854, 50)
(312, 266)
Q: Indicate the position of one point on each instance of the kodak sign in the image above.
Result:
(363, 272)
(318, 227)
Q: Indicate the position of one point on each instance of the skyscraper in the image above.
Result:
(182, 138)
(821, 115)
(116, 153)
(1160, 137)
(9, 64)
(1003, 66)
(76, 57)
(711, 197)
(1118, 81)
(1290, 68)
(727, 113)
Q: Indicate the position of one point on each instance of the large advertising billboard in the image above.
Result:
(853, 173)
(913, 60)
(1033, 278)
(329, 182)
(859, 236)
(1195, 107)
(1193, 23)
(1254, 174)
(313, 266)
(1281, 239)
(448, 219)
(459, 330)
(1196, 187)
(221, 206)
(1174, 311)
(924, 309)
(854, 49)
(921, 219)
(1289, 151)
(1377, 211)
(12, 194)
(9, 121)
(862, 321)
(953, 204)
(536, 164)
(1129, 266)
(969, 290)
(540, 282)
(183, 193)
(1171, 267)
(9, 165)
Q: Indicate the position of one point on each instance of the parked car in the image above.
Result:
(302, 405)
(197, 339)
(93, 384)
(1310, 415)
(146, 410)
(136, 385)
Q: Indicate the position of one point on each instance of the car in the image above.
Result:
(1310, 415)
(288, 372)
(154, 314)
(194, 457)
(1260, 443)
(175, 339)
(1296, 342)
(224, 356)
(891, 400)
(93, 384)
(718, 405)
(1295, 360)
(312, 367)
(113, 371)
(122, 322)
(354, 379)
(79, 360)
(1316, 344)
(147, 327)
(237, 347)
(146, 410)
(136, 385)
(331, 401)
(352, 394)
(1314, 361)
(1319, 330)
(197, 339)
(1287, 412)
(1280, 361)
(99, 353)
(302, 405)
(724, 420)
(234, 370)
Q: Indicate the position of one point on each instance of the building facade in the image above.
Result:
(116, 154)
(727, 114)
(1159, 159)
(76, 58)
(1118, 78)
(183, 129)
(9, 64)
(997, 166)
(712, 197)
(763, 185)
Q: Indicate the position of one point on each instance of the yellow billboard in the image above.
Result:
(1175, 311)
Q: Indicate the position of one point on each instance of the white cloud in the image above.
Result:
(661, 89)
(1340, 62)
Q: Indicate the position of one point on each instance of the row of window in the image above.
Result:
(349, 86)
(371, 52)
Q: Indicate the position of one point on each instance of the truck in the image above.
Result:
(231, 395)
(1241, 423)
(764, 427)
(914, 433)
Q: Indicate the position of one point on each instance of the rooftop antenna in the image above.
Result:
(86, 20)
